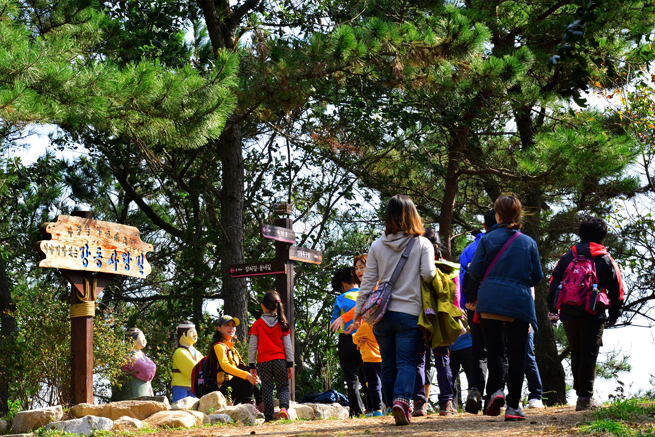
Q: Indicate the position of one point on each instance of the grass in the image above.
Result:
(624, 418)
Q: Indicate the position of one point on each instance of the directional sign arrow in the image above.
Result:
(305, 255)
(257, 269)
(278, 234)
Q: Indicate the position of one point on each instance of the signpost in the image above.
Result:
(89, 253)
(284, 236)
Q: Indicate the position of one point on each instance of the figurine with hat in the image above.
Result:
(184, 358)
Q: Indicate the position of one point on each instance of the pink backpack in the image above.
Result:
(577, 283)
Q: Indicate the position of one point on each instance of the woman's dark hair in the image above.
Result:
(353, 276)
(218, 337)
(401, 216)
(490, 218)
(509, 210)
(272, 302)
(132, 333)
(592, 230)
(433, 237)
(182, 331)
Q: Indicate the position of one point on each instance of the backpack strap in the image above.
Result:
(402, 261)
(500, 254)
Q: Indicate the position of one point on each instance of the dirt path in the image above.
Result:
(555, 421)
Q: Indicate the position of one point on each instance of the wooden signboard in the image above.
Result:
(278, 233)
(257, 269)
(94, 246)
(283, 208)
(305, 255)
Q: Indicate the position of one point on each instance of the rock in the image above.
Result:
(329, 411)
(162, 399)
(188, 403)
(4, 426)
(301, 411)
(114, 410)
(173, 419)
(212, 402)
(259, 422)
(26, 421)
(29, 434)
(244, 413)
(220, 418)
(201, 418)
(127, 423)
(83, 426)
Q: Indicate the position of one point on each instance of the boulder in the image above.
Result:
(244, 413)
(301, 411)
(172, 419)
(162, 399)
(201, 418)
(329, 411)
(114, 410)
(83, 426)
(188, 403)
(212, 402)
(220, 418)
(127, 423)
(27, 421)
(4, 426)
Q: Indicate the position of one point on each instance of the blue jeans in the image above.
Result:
(535, 388)
(180, 392)
(398, 336)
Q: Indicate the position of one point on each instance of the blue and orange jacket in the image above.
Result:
(344, 304)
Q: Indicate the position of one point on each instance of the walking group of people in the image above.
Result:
(494, 295)
(495, 283)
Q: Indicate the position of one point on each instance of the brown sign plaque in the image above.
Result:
(257, 269)
(94, 246)
(278, 234)
(305, 255)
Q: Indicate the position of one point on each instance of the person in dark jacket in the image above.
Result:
(505, 306)
(583, 329)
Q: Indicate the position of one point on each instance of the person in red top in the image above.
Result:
(270, 346)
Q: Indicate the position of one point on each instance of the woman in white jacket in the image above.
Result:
(397, 333)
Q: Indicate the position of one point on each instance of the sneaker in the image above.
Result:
(376, 413)
(514, 414)
(284, 414)
(420, 409)
(400, 412)
(473, 401)
(535, 403)
(447, 409)
(496, 401)
(584, 404)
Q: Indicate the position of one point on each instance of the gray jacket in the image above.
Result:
(383, 257)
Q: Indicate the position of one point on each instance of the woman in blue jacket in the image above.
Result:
(505, 306)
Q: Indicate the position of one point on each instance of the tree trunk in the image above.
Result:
(456, 146)
(235, 294)
(7, 308)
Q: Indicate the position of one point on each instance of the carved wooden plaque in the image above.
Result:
(95, 246)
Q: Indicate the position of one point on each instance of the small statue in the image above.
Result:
(184, 359)
(139, 370)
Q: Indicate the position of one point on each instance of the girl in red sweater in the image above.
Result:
(270, 346)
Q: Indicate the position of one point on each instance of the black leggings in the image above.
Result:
(514, 345)
(351, 363)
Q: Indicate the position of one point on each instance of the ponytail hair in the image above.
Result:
(272, 302)
(433, 237)
(509, 210)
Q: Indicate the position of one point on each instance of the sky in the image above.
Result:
(636, 342)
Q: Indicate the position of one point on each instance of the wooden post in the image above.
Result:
(284, 287)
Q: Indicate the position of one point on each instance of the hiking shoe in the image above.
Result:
(400, 412)
(420, 409)
(584, 404)
(514, 414)
(284, 414)
(535, 403)
(376, 413)
(496, 401)
(473, 401)
(447, 409)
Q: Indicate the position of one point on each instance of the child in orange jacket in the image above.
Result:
(370, 350)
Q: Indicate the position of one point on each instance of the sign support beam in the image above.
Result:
(284, 286)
